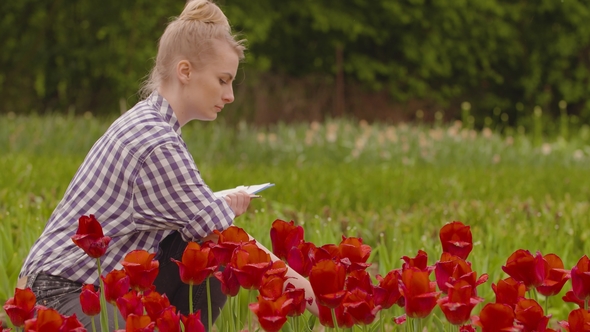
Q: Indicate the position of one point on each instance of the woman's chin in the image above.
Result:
(208, 117)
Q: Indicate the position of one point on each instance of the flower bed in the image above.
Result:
(347, 295)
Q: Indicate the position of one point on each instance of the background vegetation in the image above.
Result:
(516, 73)
(311, 59)
(394, 186)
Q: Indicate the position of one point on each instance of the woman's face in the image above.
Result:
(210, 86)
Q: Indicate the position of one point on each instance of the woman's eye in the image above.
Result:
(222, 81)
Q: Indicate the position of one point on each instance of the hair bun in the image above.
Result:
(203, 11)
(190, 36)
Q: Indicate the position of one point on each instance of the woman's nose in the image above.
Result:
(228, 96)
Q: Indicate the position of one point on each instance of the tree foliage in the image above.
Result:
(492, 53)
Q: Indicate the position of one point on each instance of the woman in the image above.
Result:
(140, 181)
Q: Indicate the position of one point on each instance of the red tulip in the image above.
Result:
(419, 293)
(272, 314)
(130, 303)
(90, 237)
(249, 264)
(328, 251)
(449, 269)
(169, 320)
(509, 291)
(577, 321)
(570, 297)
(343, 319)
(523, 266)
(192, 322)
(456, 239)
(284, 236)
(228, 241)
(72, 324)
(387, 293)
(272, 287)
(555, 276)
(48, 320)
(400, 320)
(90, 300)
(420, 261)
(197, 264)
(155, 303)
(297, 295)
(359, 279)
(300, 258)
(327, 281)
(530, 315)
(278, 268)
(139, 323)
(230, 285)
(581, 279)
(20, 307)
(141, 268)
(355, 251)
(495, 317)
(457, 306)
(116, 284)
(360, 306)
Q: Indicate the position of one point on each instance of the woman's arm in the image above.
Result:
(239, 203)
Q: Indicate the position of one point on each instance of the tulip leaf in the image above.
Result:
(374, 327)
(311, 322)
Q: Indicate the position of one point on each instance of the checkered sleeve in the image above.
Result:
(169, 194)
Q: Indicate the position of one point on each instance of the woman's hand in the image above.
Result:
(238, 202)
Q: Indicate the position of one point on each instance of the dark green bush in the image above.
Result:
(86, 55)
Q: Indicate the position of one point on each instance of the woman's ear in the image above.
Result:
(183, 71)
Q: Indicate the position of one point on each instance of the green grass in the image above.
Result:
(394, 186)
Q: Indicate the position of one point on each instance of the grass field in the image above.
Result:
(394, 186)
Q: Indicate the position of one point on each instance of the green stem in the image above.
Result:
(334, 320)
(416, 324)
(235, 312)
(586, 304)
(546, 305)
(93, 324)
(209, 313)
(104, 316)
(249, 312)
(116, 317)
(232, 314)
(190, 298)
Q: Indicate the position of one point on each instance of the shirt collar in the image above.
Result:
(158, 102)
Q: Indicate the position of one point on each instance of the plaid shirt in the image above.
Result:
(141, 183)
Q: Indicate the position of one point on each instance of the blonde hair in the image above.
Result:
(190, 36)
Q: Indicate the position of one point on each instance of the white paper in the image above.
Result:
(252, 189)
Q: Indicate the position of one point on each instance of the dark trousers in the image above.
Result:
(64, 295)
